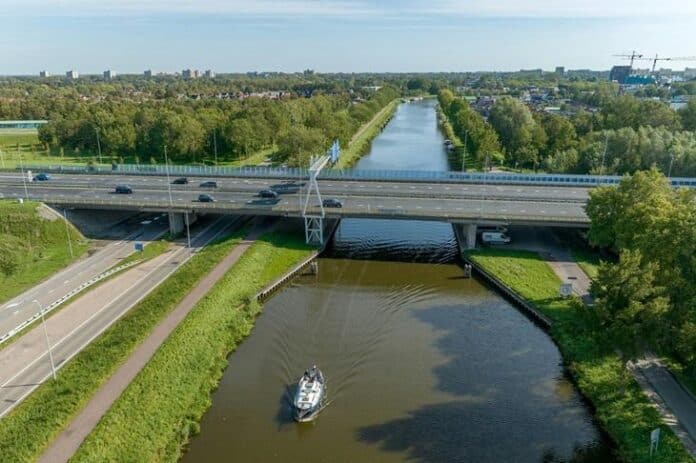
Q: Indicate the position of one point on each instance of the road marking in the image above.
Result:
(419, 207)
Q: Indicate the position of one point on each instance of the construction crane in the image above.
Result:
(656, 59)
(632, 56)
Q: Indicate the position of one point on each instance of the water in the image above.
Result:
(422, 364)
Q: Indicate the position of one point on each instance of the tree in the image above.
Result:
(299, 143)
(688, 115)
(517, 130)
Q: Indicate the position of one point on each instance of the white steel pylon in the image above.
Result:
(314, 223)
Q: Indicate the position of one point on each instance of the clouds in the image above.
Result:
(367, 9)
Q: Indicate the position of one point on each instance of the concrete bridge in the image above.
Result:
(501, 199)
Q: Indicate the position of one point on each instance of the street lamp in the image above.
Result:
(96, 129)
(67, 232)
(48, 343)
(24, 177)
(671, 160)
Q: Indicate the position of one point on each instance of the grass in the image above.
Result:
(30, 427)
(361, 141)
(457, 155)
(35, 246)
(587, 260)
(621, 408)
(150, 251)
(162, 407)
(255, 159)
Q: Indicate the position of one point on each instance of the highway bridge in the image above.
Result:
(478, 200)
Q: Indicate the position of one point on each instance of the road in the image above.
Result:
(22, 307)
(521, 204)
(25, 364)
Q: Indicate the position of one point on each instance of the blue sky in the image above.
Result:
(338, 35)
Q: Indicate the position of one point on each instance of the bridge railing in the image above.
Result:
(355, 175)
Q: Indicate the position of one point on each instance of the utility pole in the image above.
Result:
(169, 184)
(671, 160)
(466, 138)
(48, 343)
(96, 129)
(24, 177)
(67, 232)
(604, 155)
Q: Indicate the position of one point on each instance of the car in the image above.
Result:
(332, 202)
(123, 190)
(41, 177)
(204, 198)
(208, 184)
(268, 194)
(180, 181)
(495, 238)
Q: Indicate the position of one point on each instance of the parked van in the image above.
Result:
(494, 238)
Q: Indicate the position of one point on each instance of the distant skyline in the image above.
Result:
(129, 36)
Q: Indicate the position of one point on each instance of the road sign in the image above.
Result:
(566, 289)
(654, 440)
(138, 246)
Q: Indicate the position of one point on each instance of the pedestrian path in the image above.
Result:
(67, 443)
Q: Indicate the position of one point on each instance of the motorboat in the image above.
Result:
(310, 394)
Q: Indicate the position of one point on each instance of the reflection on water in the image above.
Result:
(421, 364)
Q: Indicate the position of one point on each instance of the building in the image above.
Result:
(44, 74)
(109, 74)
(689, 73)
(619, 74)
(148, 74)
(209, 74)
(189, 74)
(28, 124)
(72, 75)
(560, 71)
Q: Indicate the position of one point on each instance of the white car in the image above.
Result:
(494, 238)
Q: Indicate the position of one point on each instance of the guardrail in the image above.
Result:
(48, 308)
(354, 174)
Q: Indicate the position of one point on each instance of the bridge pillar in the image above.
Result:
(465, 234)
(176, 223)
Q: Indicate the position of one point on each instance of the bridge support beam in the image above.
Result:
(465, 234)
(177, 223)
(314, 230)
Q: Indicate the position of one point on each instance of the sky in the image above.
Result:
(129, 36)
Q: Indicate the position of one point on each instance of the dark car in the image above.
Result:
(206, 198)
(123, 190)
(332, 202)
(208, 184)
(180, 181)
(41, 177)
(268, 194)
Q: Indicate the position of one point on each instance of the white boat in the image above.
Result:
(310, 394)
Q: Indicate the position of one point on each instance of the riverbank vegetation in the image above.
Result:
(648, 298)
(589, 353)
(34, 244)
(362, 140)
(28, 429)
(155, 416)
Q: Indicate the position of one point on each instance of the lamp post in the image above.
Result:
(67, 232)
(24, 177)
(169, 184)
(96, 129)
(48, 343)
(671, 160)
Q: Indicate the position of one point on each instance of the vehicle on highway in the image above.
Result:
(309, 396)
(332, 202)
(268, 194)
(208, 184)
(123, 190)
(180, 181)
(41, 177)
(494, 238)
(204, 198)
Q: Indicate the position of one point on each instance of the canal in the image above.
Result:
(421, 364)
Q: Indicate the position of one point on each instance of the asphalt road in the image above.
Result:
(24, 365)
(360, 199)
(23, 307)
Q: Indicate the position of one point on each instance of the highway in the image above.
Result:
(451, 202)
(24, 365)
(22, 307)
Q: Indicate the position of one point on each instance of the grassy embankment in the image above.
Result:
(621, 407)
(32, 247)
(154, 417)
(29, 428)
(456, 156)
(361, 140)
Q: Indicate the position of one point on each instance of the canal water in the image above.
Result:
(421, 364)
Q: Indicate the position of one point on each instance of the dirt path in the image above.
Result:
(367, 125)
(67, 443)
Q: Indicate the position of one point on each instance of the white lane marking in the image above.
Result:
(412, 187)
(419, 207)
(361, 205)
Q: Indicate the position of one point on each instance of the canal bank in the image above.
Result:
(620, 406)
(421, 363)
(158, 411)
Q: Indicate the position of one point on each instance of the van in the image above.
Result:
(494, 238)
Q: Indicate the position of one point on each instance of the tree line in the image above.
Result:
(194, 131)
(648, 297)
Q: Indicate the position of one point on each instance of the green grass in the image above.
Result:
(29, 428)
(362, 140)
(155, 416)
(150, 251)
(36, 246)
(587, 260)
(255, 159)
(620, 406)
